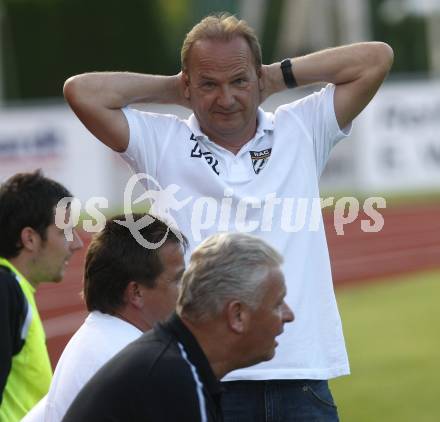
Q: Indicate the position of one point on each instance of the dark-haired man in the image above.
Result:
(32, 250)
(127, 289)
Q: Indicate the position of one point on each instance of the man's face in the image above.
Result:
(160, 301)
(53, 255)
(268, 319)
(224, 89)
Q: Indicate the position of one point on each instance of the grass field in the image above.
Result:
(392, 330)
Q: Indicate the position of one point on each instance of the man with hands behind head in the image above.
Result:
(232, 155)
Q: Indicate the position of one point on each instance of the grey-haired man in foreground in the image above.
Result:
(230, 310)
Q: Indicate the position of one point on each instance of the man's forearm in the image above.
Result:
(97, 100)
(357, 70)
(338, 65)
(115, 90)
(343, 64)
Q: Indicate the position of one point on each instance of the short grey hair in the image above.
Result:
(225, 267)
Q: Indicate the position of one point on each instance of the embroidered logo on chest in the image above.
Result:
(259, 159)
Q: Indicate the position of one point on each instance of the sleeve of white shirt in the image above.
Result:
(149, 136)
(36, 414)
(317, 113)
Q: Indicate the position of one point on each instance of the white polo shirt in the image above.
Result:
(269, 189)
(98, 339)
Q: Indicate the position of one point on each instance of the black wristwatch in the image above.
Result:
(289, 79)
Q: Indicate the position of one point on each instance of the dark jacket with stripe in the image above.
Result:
(163, 376)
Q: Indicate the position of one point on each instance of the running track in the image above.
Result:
(409, 241)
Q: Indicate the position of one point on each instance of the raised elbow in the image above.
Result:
(383, 57)
(71, 89)
(78, 90)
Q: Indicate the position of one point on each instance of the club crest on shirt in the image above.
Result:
(259, 159)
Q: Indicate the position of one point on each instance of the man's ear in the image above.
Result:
(30, 239)
(237, 316)
(260, 77)
(134, 295)
(186, 92)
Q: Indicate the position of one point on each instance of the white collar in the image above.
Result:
(264, 123)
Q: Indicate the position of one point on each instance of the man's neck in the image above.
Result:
(131, 317)
(22, 264)
(233, 147)
(232, 142)
(207, 336)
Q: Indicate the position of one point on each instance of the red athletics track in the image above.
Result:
(409, 241)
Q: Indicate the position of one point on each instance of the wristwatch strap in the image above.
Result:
(289, 78)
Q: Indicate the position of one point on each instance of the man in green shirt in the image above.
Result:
(32, 250)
